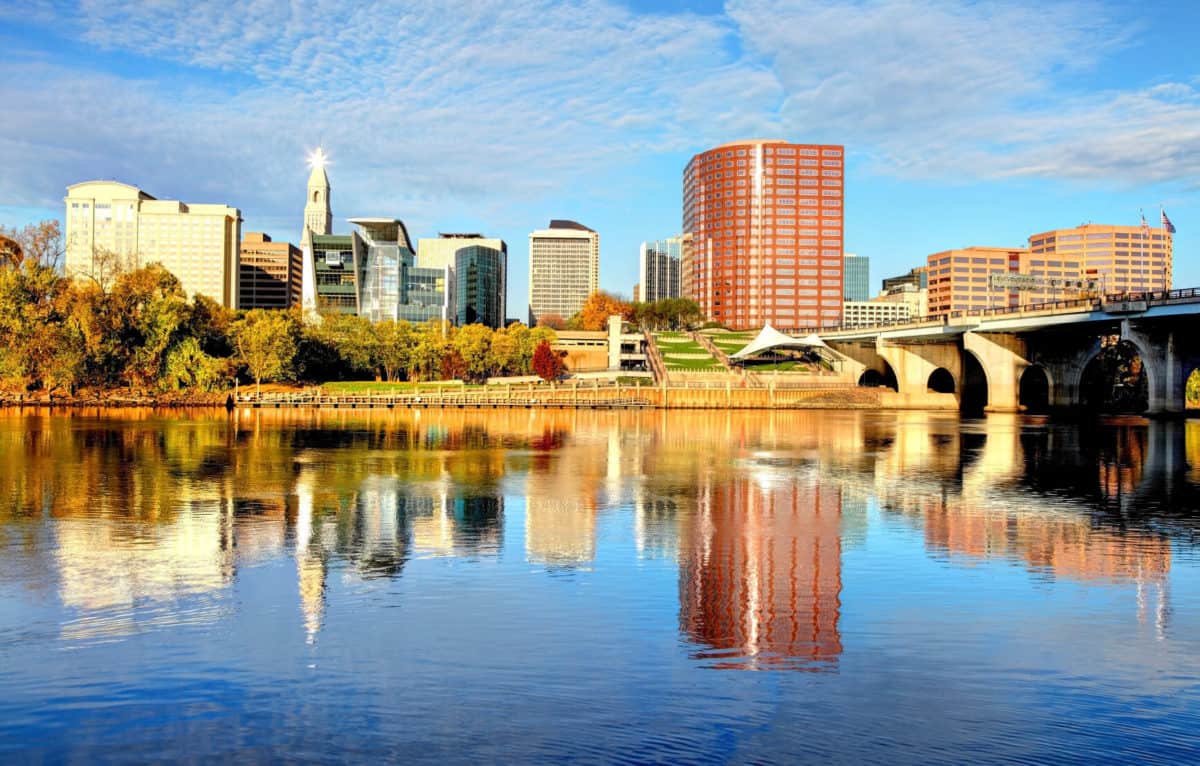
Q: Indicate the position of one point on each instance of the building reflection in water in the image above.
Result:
(760, 584)
(123, 517)
(1016, 497)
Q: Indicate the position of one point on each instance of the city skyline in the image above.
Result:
(945, 149)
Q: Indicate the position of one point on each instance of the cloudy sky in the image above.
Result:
(965, 122)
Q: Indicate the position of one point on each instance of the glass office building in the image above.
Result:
(856, 277)
(479, 286)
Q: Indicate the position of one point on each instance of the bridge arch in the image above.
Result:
(1035, 390)
(885, 378)
(941, 381)
(1117, 377)
(975, 384)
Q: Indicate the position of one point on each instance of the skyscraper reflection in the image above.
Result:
(760, 584)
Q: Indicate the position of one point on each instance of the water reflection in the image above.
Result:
(761, 583)
(136, 519)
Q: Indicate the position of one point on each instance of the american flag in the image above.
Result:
(1166, 222)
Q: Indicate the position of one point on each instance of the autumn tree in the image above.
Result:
(265, 342)
(394, 341)
(474, 344)
(553, 321)
(597, 309)
(547, 364)
(40, 348)
(39, 243)
(505, 351)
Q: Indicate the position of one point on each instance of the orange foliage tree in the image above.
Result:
(598, 308)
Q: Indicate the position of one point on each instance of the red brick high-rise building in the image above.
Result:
(765, 224)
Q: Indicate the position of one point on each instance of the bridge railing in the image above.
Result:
(1090, 303)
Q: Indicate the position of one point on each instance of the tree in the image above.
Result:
(547, 364)
(266, 343)
(474, 343)
(393, 347)
(553, 321)
(37, 243)
(354, 339)
(505, 353)
(187, 366)
(667, 313)
(40, 348)
(148, 309)
(598, 308)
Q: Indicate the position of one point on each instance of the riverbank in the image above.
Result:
(563, 395)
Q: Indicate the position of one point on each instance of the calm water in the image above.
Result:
(597, 587)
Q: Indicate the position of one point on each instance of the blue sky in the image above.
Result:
(965, 122)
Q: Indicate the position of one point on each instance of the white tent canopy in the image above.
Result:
(769, 338)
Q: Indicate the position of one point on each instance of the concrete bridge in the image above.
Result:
(1005, 360)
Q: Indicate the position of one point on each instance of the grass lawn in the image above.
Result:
(384, 387)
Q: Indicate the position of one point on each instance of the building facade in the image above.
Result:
(564, 269)
(875, 312)
(918, 278)
(1119, 259)
(269, 273)
(390, 285)
(765, 221)
(960, 280)
(856, 277)
(318, 213)
(658, 270)
(479, 268)
(112, 226)
(330, 258)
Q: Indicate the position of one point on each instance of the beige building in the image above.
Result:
(960, 280)
(564, 269)
(269, 273)
(875, 312)
(1122, 259)
(112, 226)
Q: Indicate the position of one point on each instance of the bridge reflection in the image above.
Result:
(754, 510)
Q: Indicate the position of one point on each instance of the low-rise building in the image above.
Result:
(269, 273)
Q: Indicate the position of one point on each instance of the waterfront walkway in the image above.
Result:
(822, 395)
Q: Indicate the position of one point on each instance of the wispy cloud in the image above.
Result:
(487, 102)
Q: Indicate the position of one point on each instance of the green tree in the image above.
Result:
(354, 339)
(265, 342)
(394, 345)
(187, 366)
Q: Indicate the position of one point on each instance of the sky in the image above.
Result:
(965, 122)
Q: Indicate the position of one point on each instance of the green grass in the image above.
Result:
(693, 364)
(382, 387)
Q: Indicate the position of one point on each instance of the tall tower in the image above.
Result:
(765, 218)
(318, 217)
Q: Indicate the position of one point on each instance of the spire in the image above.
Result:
(318, 216)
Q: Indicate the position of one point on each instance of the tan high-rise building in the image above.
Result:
(1122, 259)
(112, 226)
(564, 269)
(959, 280)
(269, 273)
(765, 217)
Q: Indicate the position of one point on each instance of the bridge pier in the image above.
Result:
(915, 363)
(1004, 359)
(1166, 369)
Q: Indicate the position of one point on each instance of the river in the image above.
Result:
(595, 587)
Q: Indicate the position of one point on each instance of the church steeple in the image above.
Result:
(318, 217)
